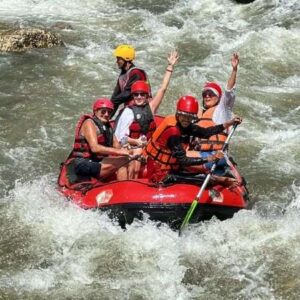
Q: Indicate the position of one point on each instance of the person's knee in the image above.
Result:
(86, 167)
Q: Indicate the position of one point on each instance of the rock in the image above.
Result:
(22, 39)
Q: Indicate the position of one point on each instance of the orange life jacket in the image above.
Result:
(157, 147)
(215, 142)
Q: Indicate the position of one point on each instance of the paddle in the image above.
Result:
(198, 197)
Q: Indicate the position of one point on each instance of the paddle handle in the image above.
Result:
(205, 183)
(226, 143)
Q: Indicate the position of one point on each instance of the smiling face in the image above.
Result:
(184, 119)
(209, 99)
(139, 98)
(103, 114)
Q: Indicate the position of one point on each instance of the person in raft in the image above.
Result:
(166, 149)
(136, 123)
(125, 54)
(217, 109)
(96, 151)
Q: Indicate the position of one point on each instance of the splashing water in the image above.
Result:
(52, 249)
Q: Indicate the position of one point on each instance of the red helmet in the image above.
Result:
(214, 87)
(102, 103)
(187, 104)
(140, 86)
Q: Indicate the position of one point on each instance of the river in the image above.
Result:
(51, 249)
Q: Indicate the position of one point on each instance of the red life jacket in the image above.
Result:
(143, 123)
(81, 147)
(123, 78)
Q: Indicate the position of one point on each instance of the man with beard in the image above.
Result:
(125, 54)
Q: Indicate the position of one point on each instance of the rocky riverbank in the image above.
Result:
(20, 40)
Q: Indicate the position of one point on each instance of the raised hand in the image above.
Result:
(235, 59)
(173, 58)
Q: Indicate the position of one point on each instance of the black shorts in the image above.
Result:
(87, 167)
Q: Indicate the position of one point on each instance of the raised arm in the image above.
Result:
(155, 102)
(232, 78)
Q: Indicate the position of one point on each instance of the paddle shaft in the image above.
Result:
(205, 183)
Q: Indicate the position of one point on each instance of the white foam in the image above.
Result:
(78, 251)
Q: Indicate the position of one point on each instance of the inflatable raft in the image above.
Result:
(165, 202)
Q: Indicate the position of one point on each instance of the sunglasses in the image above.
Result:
(208, 94)
(139, 94)
(104, 111)
(186, 116)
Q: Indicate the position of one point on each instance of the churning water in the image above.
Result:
(50, 249)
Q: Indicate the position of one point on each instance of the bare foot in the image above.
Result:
(225, 181)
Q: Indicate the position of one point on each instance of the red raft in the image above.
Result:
(166, 202)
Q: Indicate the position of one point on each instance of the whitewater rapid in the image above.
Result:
(51, 249)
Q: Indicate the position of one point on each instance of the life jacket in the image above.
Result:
(215, 142)
(123, 78)
(157, 148)
(81, 147)
(143, 123)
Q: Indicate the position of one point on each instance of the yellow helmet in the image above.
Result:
(126, 52)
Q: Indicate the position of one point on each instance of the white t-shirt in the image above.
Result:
(124, 122)
(223, 111)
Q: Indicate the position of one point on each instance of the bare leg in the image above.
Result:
(110, 165)
(199, 168)
(131, 170)
(122, 173)
(137, 168)
(134, 166)
(191, 153)
(225, 181)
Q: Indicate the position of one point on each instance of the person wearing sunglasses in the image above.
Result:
(96, 151)
(217, 109)
(125, 54)
(166, 150)
(136, 124)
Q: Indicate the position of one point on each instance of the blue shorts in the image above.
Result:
(220, 164)
(87, 167)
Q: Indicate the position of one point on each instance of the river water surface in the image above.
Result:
(50, 249)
